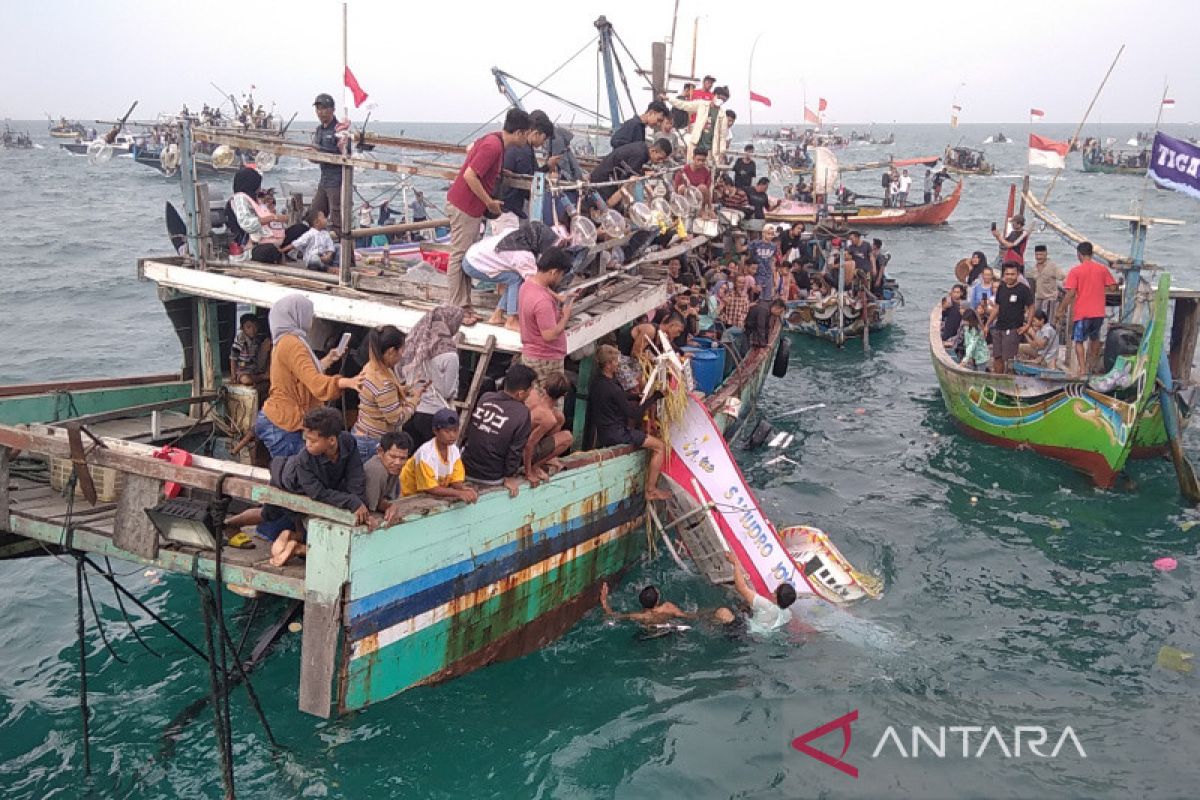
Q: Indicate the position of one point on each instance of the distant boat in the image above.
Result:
(999, 138)
(1113, 162)
(871, 216)
(966, 161)
(122, 145)
(821, 319)
(66, 130)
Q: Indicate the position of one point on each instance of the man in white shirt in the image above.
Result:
(902, 185)
(765, 616)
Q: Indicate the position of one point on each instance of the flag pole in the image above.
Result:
(750, 85)
(1075, 136)
(1157, 122)
(345, 63)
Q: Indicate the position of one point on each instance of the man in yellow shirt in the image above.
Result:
(436, 468)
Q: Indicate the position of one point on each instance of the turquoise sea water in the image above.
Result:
(1035, 605)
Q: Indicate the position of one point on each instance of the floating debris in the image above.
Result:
(1165, 564)
(1174, 659)
(295, 627)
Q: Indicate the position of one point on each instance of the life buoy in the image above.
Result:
(176, 456)
(783, 355)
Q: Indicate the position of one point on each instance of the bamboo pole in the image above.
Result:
(1082, 122)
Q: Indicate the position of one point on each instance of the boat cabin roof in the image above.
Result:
(610, 301)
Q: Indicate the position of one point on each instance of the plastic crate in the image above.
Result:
(109, 482)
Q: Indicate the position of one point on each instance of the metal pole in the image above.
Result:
(345, 63)
(1082, 122)
(750, 84)
(187, 180)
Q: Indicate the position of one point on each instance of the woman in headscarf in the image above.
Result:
(430, 364)
(298, 380)
(508, 258)
(977, 264)
(256, 219)
(385, 404)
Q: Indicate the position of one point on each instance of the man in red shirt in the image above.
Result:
(471, 196)
(697, 174)
(705, 92)
(543, 326)
(1086, 285)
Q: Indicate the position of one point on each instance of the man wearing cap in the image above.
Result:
(330, 137)
(437, 468)
(1014, 243)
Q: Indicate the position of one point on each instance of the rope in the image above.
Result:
(125, 615)
(536, 87)
(99, 625)
(80, 634)
(224, 752)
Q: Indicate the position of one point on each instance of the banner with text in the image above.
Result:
(701, 455)
(1175, 164)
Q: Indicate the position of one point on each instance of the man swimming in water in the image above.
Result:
(656, 611)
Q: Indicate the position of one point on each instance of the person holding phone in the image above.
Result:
(298, 380)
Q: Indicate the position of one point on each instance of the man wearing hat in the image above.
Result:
(437, 467)
(330, 137)
(1014, 243)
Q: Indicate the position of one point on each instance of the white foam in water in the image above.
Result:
(842, 624)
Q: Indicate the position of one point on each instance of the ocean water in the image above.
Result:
(1016, 594)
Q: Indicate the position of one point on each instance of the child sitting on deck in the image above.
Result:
(975, 349)
(250, 356)
(328, 470)
(437, 468)
(315, 247)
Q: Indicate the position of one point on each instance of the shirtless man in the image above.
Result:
(547, 439)
(656, 611)
(647, 333)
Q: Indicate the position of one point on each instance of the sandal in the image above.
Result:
(240, 541)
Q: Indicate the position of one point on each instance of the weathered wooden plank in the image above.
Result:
(318, 654)
(285, 582)
(132, 530)
(481, 367)
(206, 479)
(49, 406)
(138, 410)
(18, 389)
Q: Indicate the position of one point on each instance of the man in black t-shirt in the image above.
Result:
(627, 161)
(864, 258)
(744, 170)
(494, 442)
(611, 410)
(1011, 312)
(761, 320)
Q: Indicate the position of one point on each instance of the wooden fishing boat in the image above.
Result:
(1122, 164)
(826, 320)
(445, 589)
(966, 161)
(1090, 424)
(871, 216)
(66, 130)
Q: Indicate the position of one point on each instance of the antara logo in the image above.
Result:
(1025, 740)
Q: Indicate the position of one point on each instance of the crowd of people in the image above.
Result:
(991, 321)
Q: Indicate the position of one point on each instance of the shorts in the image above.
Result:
(1087, 329)
(275, 520)
(1005, 344)
(277, 441)
(544, 448)
(631, 436)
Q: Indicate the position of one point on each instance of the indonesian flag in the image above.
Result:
(360, 96)
(1036, 112)
(821, 104)
(758, 98)
(1045, 152)
(811, 116)
(1168, 102)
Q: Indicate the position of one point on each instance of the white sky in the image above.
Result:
(429, 61)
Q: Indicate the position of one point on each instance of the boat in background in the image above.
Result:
(63, 129)
(1110, 161)
(17, 140)
(836, 321)
(869, 216)
(967, 161)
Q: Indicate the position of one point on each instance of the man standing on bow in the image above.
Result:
(332, 138)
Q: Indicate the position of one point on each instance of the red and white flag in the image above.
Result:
(811, 116)
(759, 98)
(821, 104)
(1045, 152)
(1168, 102)
(1036, 112)
(360, 96)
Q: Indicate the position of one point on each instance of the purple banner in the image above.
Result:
(1175, 164)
